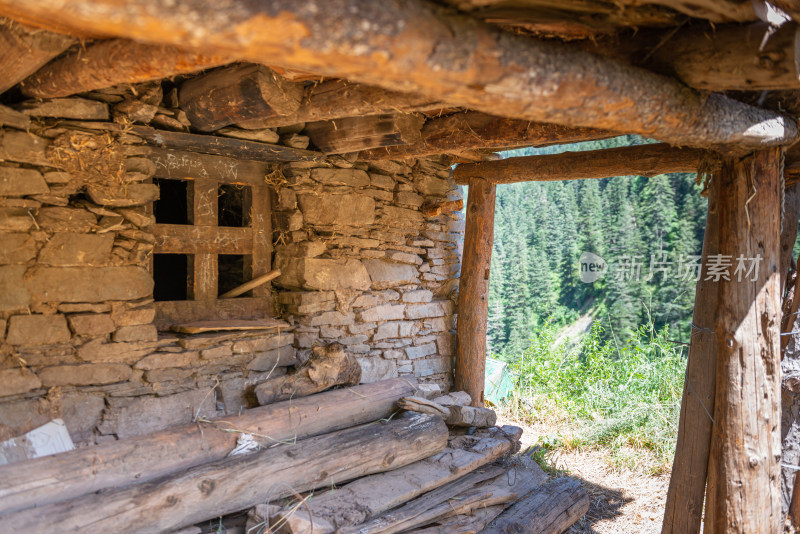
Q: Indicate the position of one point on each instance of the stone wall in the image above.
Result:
(360, 264)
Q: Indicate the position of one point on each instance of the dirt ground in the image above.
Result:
(621, 502)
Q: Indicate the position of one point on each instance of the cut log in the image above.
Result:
(640, 160)
(687, 485)
(23, 50)
(423, 405)
(415, 46)
(67, 108)
(463, 523)
(352, 134)
(473, 292)
(549, 510)
(235, 94)
(446, 206)
(113, 62)
(328, 366)
(745, 442)
(65, 476)
(337, 99)
(368, 497)
(472, 130)
(242, 481)
(15, 119)
(471, 416)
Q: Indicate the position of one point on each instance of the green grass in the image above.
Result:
(620, 396)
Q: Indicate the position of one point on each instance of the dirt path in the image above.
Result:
(621, 502)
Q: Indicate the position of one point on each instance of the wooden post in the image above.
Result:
(687, 484)
(743, 493)
(473, 296)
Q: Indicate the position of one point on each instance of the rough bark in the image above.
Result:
(352, 134)
(473, 292)
(23, 50)
(461, 133)
(56, 478)
(641, 160)
(238, 482)
(743, 492)
(112, 62)
(687, 485)
(417, 47)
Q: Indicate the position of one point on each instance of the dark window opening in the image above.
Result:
(171, 276)
(234, 205)
(172, 207)
(232, 272)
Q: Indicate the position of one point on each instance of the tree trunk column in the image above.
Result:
(743, 493)
(473, 295)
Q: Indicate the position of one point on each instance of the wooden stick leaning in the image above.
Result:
(252, 284)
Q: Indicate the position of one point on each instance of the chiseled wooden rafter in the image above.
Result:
(471, 64)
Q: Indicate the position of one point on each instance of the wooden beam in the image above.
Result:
(112, 62)
(23, 50)
(474, 290)
(414, 46)
(640, 160)
(472, 130)
(744, 489)
(352, 134)
(687, 484)
(336, 99)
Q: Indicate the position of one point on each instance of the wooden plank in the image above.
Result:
(190, 165)
(24, 147)
(199, 327)
(687, 485)
(352, 134)
(203, 264)
(182, 311)
(472, 130)
(113, 62)
(641, 160)
(23, 50)
(336, 99)
(188, 239)
(13, 118)
(66, 108)
(237, 93)
(473, 293)
(261, 224)
(745, 442)
(238, 482)
(508, 75)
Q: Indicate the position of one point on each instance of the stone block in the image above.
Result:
(318, 273)
(306, 340)
(214, 353)
(287, 199)
(133, 333)
(361, 328)
(378, 194)
(435, 324)
(353, 340)
(67, 249)
(420, 351)
(88, 284)
(97, 351)
(384, 312)
(386, 331)
(393, 354)
(81, 413)
(260, 344)
(307, 302)
(16, 248)
(431, 366)
(333, 318)
(381, 181)
(444, 344)
(429, 185)
(340, 210)
(169, 375)
(18, 380)
(123, 315)
(58, 219)
(237, 393)
(91, 324)
(403, 257)
(85, 374)
(37, 330)
(15, 296)
(164, 360)
(18, 182)
(280, 357)
(376, 369)
(439, 308)
(408, 329)
(15, 219)
(359, 349)
(329, 332)
(400, 218)
(406, 198)
(385, 274)
(123, 195)
(349, 177)
(418, 296)
(429, 390)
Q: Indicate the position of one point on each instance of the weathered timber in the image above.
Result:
(328, 366)
(745, 441)
(336, 99)
(473, 291)
(729, 58)
(111, 62)
(423, 405)
(67, 108)
(462, 132)
(352, 134)
(238, 482)
(252, 284)
(549, 510)
(190, 239)
(201, 327)
(446, 206)
(237, 93)
(471, 416)
(23, 50)
(462, 523)
(640, 160)
(191, 165)
(24, 147)
(789, 223)
(13, 118)
(366, 498)
(112, 465)
(687, 485)
(509, 75)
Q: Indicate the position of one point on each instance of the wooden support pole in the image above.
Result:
(112, 62)
(23, 50)
(473, 296)
(744, 491)
(415, 46)
(641, 160)
(687, 485)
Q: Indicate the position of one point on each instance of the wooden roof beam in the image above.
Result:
(413, 46)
